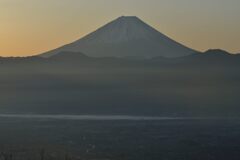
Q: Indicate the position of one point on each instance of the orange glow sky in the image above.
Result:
(29, 27)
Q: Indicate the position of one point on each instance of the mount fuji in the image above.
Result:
(125, 37)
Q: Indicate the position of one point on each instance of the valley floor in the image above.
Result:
(172, 139)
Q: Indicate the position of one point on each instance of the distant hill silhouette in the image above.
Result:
(210, 57)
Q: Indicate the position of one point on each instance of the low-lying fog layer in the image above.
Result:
(101, 117)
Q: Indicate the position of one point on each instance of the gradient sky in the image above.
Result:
(29, 27)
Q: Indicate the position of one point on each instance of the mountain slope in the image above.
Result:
(125, 37)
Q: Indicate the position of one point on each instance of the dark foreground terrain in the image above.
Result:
(180, 139)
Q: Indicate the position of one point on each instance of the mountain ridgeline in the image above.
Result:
(124, 68)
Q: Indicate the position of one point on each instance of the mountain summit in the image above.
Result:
(125, 37)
